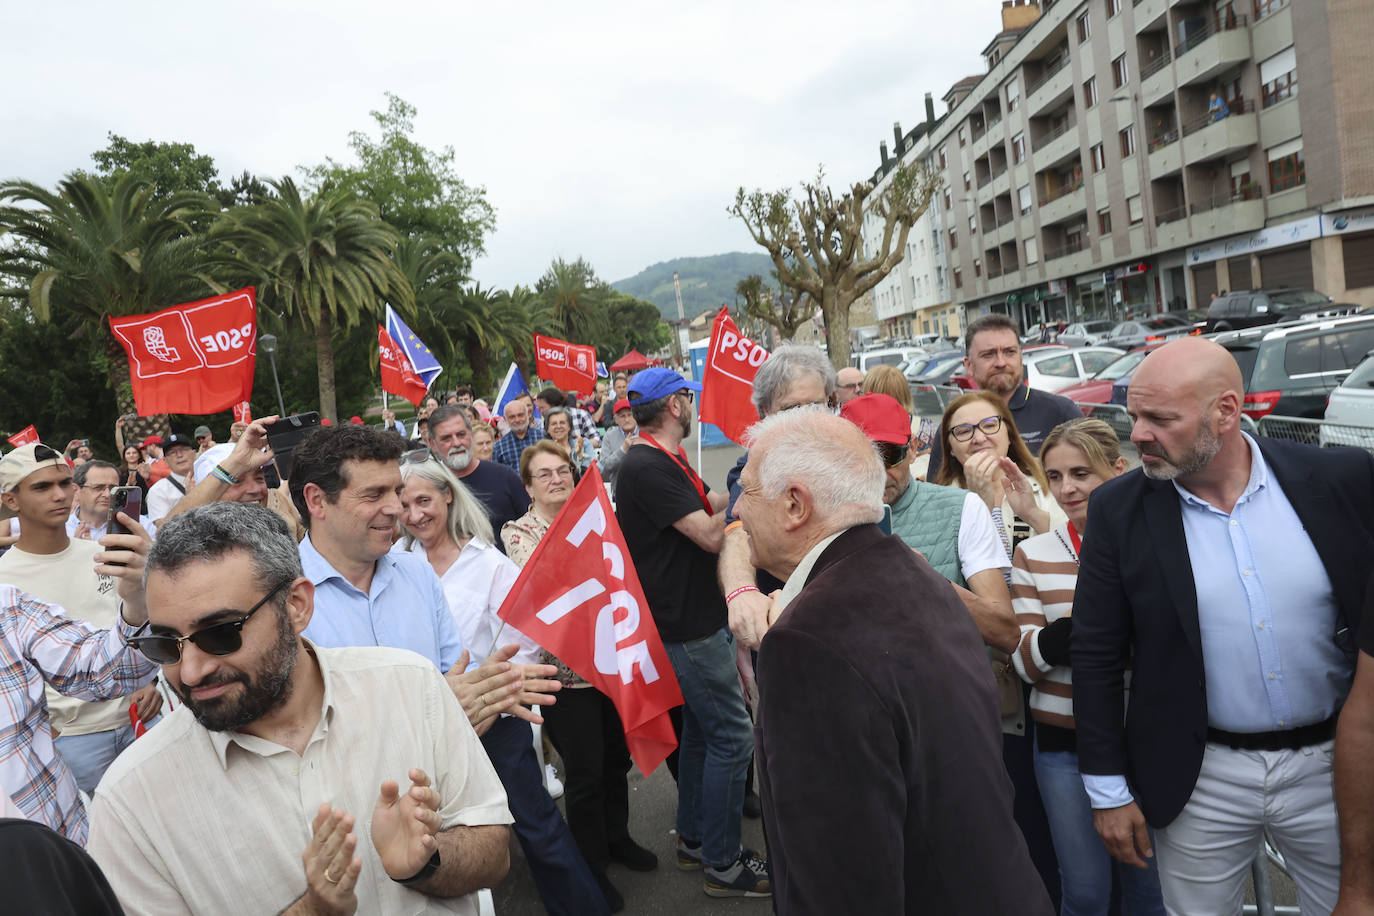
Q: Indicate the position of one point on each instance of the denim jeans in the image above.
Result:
(1085, 867)
(89, 756)
(717, 743)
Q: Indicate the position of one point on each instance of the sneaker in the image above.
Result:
(633, 856)
(552, 782)
(688, 855)
(747, 876)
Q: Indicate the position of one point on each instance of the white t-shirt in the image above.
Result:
(163, 495)
(980, 547)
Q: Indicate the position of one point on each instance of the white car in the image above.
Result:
(1351, 405)
(1050, 370)
(1086, 333)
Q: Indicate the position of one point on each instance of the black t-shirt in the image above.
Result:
(652, 492)
(499, 489)
(1035, 412)
(1366, 634)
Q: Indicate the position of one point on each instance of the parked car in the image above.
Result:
(1098, 389)
(1255, 307)
(1138, 332)
(1352, 405)
(1290, 370)
(916, 368)
(1085, 333)
(885, 356)
(938, 371)
(1052, 369)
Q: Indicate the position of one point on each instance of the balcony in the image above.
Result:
(1228, 215)
(1056, 147)
(1051, 89)
(1068, 258)
(1149, 13)
(1209, 51)
(1211, 138)
(1156, 79)
(1171, 228)
(1063, 203)
(1001, 182)
(1165, 156)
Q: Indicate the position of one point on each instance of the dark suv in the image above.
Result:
(1250, 308)
(1290, 370)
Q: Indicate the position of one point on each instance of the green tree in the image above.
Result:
(816, 242)
(94, 249)
(325, 260)
(171, 167)
(415, 189)
(570, 297)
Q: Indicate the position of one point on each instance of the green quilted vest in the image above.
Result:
(927, 517)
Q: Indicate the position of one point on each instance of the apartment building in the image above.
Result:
(1121, 157)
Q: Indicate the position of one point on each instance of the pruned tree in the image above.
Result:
(817, 246)
(756, 300)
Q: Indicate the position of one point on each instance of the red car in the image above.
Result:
(962, 379)
(1098, 389)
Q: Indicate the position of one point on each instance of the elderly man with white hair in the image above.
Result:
(880, 745)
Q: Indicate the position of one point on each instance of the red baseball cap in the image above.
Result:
(880, 416)
(152, 440)
(356, 421)
(622, 404)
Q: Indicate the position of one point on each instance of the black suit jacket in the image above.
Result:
(1136, 597)
(880, 746)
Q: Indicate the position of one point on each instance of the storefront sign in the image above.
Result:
(1293, 233)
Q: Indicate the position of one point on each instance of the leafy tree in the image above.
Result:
(170, 167)
(245, 190)
(94, 249)
(632, 324)
(571, 299)
(326, 260)
(816, 243)
(415, 189)
(759, 302)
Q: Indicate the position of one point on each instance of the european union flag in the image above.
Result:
(424, 362)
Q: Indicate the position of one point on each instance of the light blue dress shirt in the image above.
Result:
(404, 609)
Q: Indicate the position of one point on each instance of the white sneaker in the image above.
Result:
(552, 782)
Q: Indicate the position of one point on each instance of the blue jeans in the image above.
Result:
(717, 744)
(89, 756)
(1085, 867)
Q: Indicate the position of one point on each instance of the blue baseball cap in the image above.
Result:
(652, 384)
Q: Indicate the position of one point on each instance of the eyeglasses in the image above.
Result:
(856, 387)
(892, 455)
(217, 639)
(99, 487)
(548, 474)
(688, 394)
(988, 425)
(416, 456)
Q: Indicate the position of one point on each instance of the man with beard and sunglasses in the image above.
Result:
(497, 487)
(246, 799)
(1229, 574)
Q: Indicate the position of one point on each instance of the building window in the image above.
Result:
(1127, 136)
(1135, 210)
(1013, 95)
(963, 136)
(958, 278)
(1023, 195)
(953, 238)
(949, 199)
(1032, 251)
(1278, 77)
(1113, 8)
(1085, 29)
(1242, 186)
(1104, 221)
(977, 267)
(1018, 148)
(943, 161)
(1265, 7)
(968, 184)
(1286, 169)
(1121, 74)
(1090, 92)
(972, 224)
(1099, 157)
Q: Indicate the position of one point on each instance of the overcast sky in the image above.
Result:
(613, 131)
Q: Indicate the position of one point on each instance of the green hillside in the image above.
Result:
(707, 283)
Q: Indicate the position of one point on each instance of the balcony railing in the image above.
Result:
(1251, 191)
(1172, 215)
(993, 121)
(1233, 107)
(1050, 136)
(983, 181)
(1062, 191)
(1163, 138)
(1156, 65)
(1070, 247)
(1003, 221)
(1223, 22)
(998, 173)
(1049, 71)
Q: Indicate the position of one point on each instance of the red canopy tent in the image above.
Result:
(632, 362)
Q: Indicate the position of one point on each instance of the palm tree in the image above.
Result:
(570, 294)
(326, 260)
(443, 317)
(100, 249)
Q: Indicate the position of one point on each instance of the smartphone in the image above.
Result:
(287, 433)
(270, 476)
(128, 500)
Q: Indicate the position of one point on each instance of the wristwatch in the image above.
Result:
(424, 874)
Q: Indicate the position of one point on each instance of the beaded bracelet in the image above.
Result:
(739, 591)
(221, 474)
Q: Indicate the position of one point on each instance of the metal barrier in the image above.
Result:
(1317, 432)
(1114, 415)
(931, 400)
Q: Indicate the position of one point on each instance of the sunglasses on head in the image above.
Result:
(416, 456)
(217, 639)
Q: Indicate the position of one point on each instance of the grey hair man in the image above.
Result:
(868, 640)
(230, 605)
(793, 376)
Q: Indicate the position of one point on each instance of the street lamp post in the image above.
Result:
(268, 344)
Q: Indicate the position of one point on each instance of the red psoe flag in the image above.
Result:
(727, 381)
(572, 367)
(24, 436)
(398, 376)
(579, 597)
(195, 358)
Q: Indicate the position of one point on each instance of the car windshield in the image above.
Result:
(1117, 368)
(1299, 298)
(1362, 376)
(940, 367)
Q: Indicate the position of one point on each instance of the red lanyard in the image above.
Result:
(1076, 538)
(680, 459)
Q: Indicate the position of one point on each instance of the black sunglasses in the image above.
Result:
(892, 455)
(217, 639)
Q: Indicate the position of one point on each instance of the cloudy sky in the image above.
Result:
(608, 130)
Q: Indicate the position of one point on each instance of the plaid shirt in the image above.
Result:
(38, 642)
(508, 448)
(583, 425)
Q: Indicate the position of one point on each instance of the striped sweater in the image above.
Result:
(1043, 577)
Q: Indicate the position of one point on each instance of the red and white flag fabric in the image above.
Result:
(243, 413)
(727, 381)
(398, 375)
(571, 367)
(24, 436)
(579, 597)
(194, 358)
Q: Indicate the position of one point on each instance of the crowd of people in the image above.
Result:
(953, 696)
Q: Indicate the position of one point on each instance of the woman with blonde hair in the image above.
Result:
(1078, 456)
(890, 381)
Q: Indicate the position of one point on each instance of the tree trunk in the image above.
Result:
(117, 373)
(479, 360)
(324, 365)
(836, 327)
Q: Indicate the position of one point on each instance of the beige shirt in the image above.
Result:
(193, 821)
(68, 579)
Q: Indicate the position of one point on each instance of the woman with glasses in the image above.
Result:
(558, 429)
(1078, 456)
(986, 455)
(584, 725)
